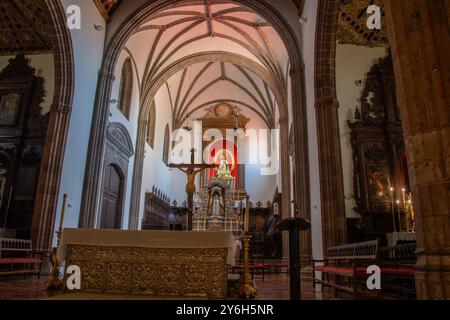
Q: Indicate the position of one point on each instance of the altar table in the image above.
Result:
(160, 263)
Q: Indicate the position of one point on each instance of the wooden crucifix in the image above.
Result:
(191, 171)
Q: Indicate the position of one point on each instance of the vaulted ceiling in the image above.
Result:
(204, 85)
(25, 27)
(185, 30)
(352, 28)
(107, 7)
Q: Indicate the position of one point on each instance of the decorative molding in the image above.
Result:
(118, 137)
(352, 24)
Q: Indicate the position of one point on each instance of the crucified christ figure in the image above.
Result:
(191, 170)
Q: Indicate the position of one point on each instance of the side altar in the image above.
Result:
(158, 263)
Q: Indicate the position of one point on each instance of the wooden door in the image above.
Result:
(112, 199)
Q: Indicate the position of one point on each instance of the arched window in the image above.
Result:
(126, 88)
(166, 145)
(151, 126)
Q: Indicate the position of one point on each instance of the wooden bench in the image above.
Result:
(346, 266)
(18, 258)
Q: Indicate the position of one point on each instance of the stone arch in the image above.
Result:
(55, 144)
(117, 42)
(150, 92)
(328, 134)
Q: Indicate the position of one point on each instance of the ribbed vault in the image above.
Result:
(189, 28)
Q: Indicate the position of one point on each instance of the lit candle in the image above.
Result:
(399, 216)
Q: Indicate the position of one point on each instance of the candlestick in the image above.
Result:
(247, 214)
(392, 209)
(399, 216)
(55, 283)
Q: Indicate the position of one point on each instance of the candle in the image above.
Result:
(247, 214)
(399, 216)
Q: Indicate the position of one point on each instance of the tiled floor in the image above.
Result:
(275, 287)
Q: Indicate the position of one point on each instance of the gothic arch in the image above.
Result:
(150, 91)
(56, 137)
(115, 45)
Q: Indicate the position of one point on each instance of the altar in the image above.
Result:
(159, 263)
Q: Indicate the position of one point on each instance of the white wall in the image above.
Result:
(308, 49)
(45, 68)
(259, 187)
(88, 51)
(352, 64)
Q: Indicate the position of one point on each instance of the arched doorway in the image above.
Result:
(112, 199)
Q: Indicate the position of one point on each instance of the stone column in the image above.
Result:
(301, 160)
(420, 40)
(96, 150)
(331, 176)
(330, 158)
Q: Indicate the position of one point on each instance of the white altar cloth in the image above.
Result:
(148, 239)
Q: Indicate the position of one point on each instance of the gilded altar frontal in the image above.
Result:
(225, 154)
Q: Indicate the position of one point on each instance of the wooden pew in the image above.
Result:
(346, 266)
(16, 258)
